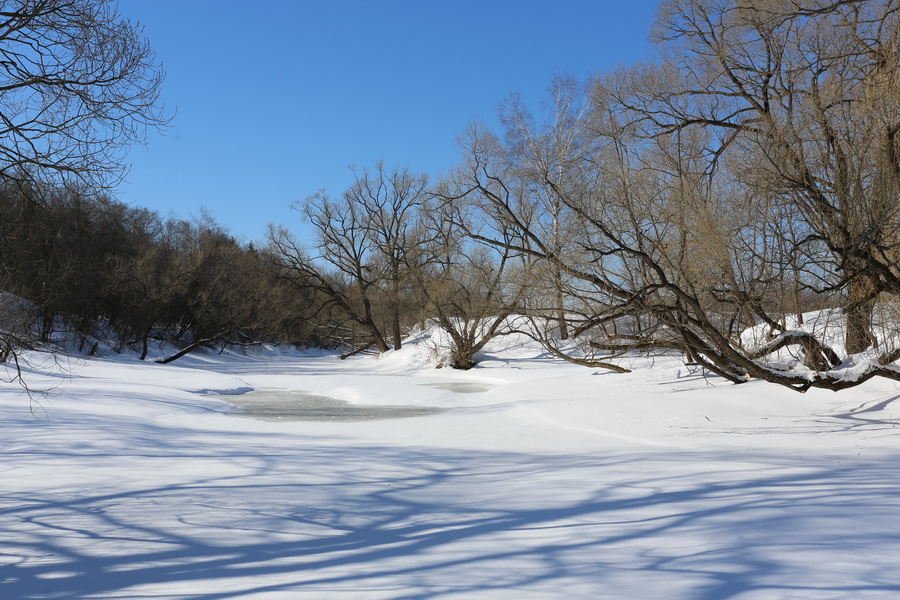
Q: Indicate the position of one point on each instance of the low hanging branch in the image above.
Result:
(585, 362)
(816, 355)
(202, 342)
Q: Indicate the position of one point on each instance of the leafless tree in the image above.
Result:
(78, 84)
(664, 252)
(547, 151)
(810, 88)
(366, 244)
(473, 291)
(390, 202)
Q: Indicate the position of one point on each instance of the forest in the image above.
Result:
(728, 201)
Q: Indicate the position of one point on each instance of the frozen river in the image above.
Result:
(298, 405)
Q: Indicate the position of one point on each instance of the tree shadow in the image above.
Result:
(223, 515)
(866, 414)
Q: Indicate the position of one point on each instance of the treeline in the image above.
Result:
(88, 268)
(699, 204)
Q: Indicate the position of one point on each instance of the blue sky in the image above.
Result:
(273, 100)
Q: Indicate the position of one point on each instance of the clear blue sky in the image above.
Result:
(274, 100)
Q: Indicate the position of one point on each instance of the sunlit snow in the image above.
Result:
(536, 479)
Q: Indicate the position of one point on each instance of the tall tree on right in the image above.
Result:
(715, 189)
(808, 93)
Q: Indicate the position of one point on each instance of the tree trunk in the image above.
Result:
(395, 306)
(557, 274)
(377, 338)
(145, 342)
(395, 326)
(860, 308)
(561, 315)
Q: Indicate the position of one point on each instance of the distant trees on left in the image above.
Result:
(78, 85)
(91, 269)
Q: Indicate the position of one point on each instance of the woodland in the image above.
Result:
(705, 203)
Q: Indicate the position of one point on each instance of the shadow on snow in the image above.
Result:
(318, 517)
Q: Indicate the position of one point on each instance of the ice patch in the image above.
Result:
(239, 391)
(298, 405)
(460, 387)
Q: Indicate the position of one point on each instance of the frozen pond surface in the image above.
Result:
(296, 405)
(460, 387)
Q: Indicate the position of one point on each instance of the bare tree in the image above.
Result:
(473, 291)
(78, 84)
(365, 246)
(389, 203)
(664, 252)
(549, 151)
(812, 89)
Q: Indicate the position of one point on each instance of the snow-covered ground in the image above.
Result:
(547, 480)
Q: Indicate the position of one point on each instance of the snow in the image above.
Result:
(545, 480)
